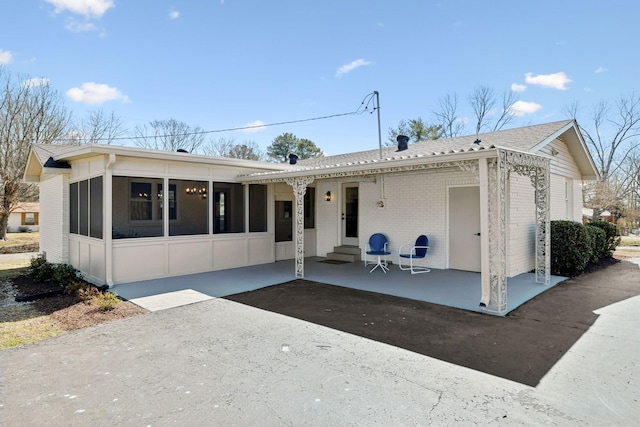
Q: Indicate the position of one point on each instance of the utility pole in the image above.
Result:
(375, 92)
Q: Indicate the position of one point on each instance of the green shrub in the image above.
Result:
(570, 247)
(599, 247)
(64, 275)
(611, 235)
(87, 293)
(105, 301)
(75, 288)
(40, 270)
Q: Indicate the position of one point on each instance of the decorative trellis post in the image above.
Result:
(497, 234)
(299, 186)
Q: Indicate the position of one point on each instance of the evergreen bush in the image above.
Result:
(599, 247)
(570, 247)
(611, 235)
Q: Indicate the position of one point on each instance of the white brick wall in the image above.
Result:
(416, 204)
(54, 218)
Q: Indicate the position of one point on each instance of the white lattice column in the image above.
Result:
(497, 235)
(299, 186)
(543, 225)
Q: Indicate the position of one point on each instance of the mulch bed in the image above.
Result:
(521, 346)
(69, 312)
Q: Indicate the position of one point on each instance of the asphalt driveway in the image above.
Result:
(220, 362)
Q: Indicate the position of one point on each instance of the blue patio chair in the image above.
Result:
(417, 251)
(378, 248)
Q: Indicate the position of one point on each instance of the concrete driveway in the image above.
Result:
(218, 362)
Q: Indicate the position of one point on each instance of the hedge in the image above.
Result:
(574, 246)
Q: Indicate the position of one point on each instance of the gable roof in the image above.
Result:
(521, 139)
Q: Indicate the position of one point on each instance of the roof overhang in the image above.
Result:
(85, 151)
(373, 167)
(571, 135)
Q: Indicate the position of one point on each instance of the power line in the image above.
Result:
(367, 100)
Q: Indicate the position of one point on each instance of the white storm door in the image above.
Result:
(349, 216)
(464, 228)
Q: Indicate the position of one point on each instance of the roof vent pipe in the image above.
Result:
(293, 159)
(403, 142)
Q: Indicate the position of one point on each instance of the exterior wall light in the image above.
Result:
(327, 196)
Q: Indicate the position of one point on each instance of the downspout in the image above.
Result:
(108, 222)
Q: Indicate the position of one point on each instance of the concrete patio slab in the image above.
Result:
(170, 299)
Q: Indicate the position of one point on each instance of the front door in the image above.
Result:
(350, 214)
(464, 228)
(284, 229)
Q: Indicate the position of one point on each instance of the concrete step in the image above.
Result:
(345, 253)
(347, 249)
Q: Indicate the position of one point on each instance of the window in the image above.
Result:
(73, 208)
(141, 203)
(96, 211)
(83, 204)
(136, 208)
(86, 207)
(171, 197)
(30, 218)
(228, 208)
(257, 208)
(310, 208)
(191, 215)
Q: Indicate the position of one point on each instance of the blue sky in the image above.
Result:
(222, 64)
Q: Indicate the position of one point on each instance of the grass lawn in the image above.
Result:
(20, 242)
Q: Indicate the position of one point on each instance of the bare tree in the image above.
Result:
(102, 128)
(30, 112)
(447, 117)
(613, 132)
(482, 102)
(223, 147)
(169, 135)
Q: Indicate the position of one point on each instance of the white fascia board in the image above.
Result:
(372, 165)
(93, 149)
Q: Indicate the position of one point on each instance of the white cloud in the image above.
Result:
(87, 8)
(95, 93)
(80, 27)
(347, 68)
(255, 126)
(518, 88)
(600, 70)
(555, 81)
(522, 108)
(174, 14)
(5, 57)
(37, 81)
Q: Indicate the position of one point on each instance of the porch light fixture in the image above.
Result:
(327, 196)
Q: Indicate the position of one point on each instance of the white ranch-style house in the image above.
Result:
(122, 214)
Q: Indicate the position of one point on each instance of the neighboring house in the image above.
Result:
(25, 217)
(123, 214)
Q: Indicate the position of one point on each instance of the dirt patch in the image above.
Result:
(521, 347)
(51, 315)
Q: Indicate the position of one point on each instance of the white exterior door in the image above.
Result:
(464, 228)
(350, 214)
